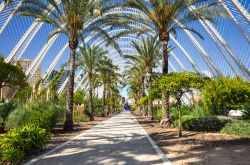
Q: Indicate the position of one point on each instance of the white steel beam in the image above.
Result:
(202, 51)
(225, 45)
(235, 21)
(2, 5)
(23, 43)
(194, 65)
(242, 10)
(55, 61)
(10, 17)
(36, 62)
(178, 61)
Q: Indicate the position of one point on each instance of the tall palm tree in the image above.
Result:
(76, 19)
(89, 60)
(108, 76)
(164, 18)
(148, 53)
(134, 76)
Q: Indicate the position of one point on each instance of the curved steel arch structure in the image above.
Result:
(238, 68)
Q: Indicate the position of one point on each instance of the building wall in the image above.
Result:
(25, 64)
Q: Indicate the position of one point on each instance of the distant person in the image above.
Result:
(126, 107)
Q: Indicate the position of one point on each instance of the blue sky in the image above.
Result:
(18, 26)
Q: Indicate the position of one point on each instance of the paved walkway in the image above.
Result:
(117, 141)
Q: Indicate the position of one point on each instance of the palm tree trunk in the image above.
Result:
(165, 94)
(150, 102)
(68, 125)
(108, 106)
(143, 94)
(1, 94)
(180, 116)
(91, 104)
(114, 104)
(103, 100)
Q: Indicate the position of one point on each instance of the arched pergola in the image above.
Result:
(220, 54)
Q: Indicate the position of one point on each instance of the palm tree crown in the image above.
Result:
(75, 19)
(89, 60)
(165, 17)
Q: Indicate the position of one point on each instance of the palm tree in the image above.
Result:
(108, 76)
(164, 17)
(134, 75)
(148, 53)
(89, 59)
(75, 19)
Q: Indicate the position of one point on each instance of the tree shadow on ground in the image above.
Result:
(121, 141)
(199, 148)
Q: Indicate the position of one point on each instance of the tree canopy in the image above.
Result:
(11, 75)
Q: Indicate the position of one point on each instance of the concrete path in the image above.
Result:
(117, 141)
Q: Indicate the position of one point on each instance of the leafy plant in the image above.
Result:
(224, 94)
(199, 111)
(207, 124)
(143, 101)
(11, 75)
(238, 127)
(178, 84)
(157, 113)
(78, 97)
(5, 110)
(246, 112)
(43, 114)
(184, 119)
(22, 141)
(23, 94)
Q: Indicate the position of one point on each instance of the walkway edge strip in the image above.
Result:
(60, 146)
(163, 157)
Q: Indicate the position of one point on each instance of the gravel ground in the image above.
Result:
(199, 148)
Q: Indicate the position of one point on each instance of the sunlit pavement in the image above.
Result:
(116, 141)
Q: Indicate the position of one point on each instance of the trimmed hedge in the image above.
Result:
(22, 141)
(238, 127)
(184, 119)
(207, 124)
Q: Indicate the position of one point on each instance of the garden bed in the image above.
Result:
(197, 147)
(59, 136)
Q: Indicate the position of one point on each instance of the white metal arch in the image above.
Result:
(205, 23)
(237, 5)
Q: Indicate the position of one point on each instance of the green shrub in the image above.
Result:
(183, 120)
(224, 94)
(199, 112)
(43, 114)
(246, 112)
(22, 141)
(157, 113)
(238, 127)
(207, 124)
(5, 110)
(175, 113)
(143, 101)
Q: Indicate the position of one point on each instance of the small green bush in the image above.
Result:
(238, 127)
(22, 141)
(5, 110)
(246, 112)
(207, 124)
(43, 114)
(224, 94)
(157, 113)
(183, 120)
(199, 112)
(175, 113)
